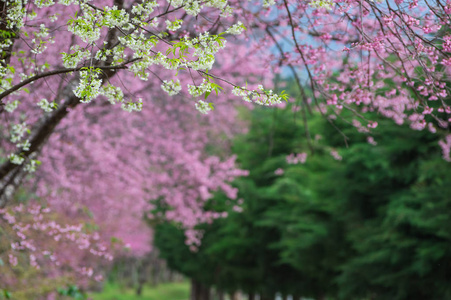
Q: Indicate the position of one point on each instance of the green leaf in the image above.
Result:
(12, 69)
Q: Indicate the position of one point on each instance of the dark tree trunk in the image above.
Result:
(321, 297)
(139, 290)
(266, 297)
(204, 292)
(142, 278)
(195, 290)
(251, 296)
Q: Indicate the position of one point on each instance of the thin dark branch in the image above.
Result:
(61, 71)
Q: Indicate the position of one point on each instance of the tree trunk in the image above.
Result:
(251, 296)
(321, 297)
(204, 292)
(142, 277)
(194, 290)
(139, 290)
(266, 297)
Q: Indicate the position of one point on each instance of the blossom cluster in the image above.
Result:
(89, 85)
(293, 159)
(172, 87)
(445, 144)
(38, 240)
(259, 96)
(198, 90)
(236, 29)
(204, 107)
(46, 106)
(173, 26)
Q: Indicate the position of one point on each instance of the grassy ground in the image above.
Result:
(165, 291)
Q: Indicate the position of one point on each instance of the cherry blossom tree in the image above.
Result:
(116, 173)
(389, 57)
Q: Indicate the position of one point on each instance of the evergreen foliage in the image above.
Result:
(371, 224)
